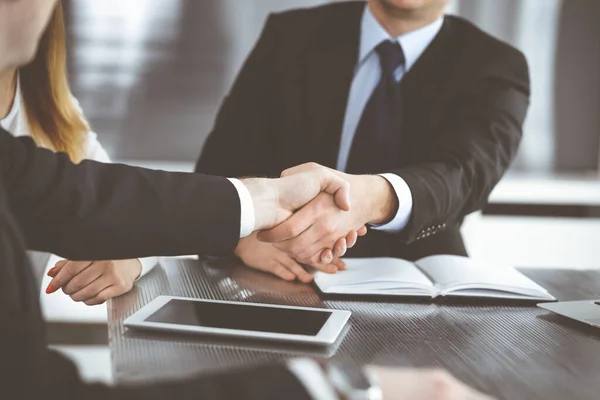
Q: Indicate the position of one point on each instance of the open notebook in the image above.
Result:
(434, 276)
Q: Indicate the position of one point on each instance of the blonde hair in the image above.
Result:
(52, 115)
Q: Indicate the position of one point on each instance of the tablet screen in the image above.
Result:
(241, 317)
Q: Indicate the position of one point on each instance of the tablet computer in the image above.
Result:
(235, 319)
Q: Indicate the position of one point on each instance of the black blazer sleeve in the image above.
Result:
(241, 139)
(110, 211)
(90, 209)
(473, 151)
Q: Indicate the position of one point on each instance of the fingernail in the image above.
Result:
(51, 272)
(50, 289)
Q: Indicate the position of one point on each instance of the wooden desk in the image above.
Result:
(509, 351)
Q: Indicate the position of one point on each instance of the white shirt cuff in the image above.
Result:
(248, 220)
(313, 379)
(148, 263)
(405, 203)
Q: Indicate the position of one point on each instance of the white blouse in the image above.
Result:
(16, 123)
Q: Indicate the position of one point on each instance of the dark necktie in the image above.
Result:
(375, 147)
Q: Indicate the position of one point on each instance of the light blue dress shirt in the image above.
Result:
(366, 77)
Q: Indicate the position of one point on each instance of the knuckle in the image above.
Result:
(120, 282)
(77, 298)
(111, 267)
(274, 265)
(71, 288)
(71, 268)
(328, 229)
(294, 230)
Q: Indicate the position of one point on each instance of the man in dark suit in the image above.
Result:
(392, 87)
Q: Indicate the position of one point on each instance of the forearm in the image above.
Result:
(471, 150)
(444, 192)
(374, 198)
(104, 211)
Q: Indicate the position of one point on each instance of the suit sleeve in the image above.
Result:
(111, 211)
(29, 370)
(239, 144)
(472, 153)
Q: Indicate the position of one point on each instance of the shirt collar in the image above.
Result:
(14, 109)
(413, 43)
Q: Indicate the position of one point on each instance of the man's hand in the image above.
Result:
(275, 200)
(94, 282)
(265, 257)
(414, 384)
(320, 224)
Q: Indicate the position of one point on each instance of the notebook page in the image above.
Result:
(373, 274)
(495, 294)
(455, 273)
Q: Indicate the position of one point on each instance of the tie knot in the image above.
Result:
(391, 56)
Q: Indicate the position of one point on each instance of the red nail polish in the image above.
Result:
(51, 271)
(50, 289)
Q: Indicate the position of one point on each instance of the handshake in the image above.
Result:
(312, 215)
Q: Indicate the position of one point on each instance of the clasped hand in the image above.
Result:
(324, 211)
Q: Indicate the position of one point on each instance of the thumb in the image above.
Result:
(300, 168)
(330, 180)
(337, 186)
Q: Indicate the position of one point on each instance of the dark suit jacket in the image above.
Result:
(465, 100)
(102, 211)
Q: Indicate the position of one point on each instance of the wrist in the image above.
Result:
(380, 200)
(266, 199)
(243, 245)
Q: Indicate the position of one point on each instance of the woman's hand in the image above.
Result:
(265, 257)
(94, 282)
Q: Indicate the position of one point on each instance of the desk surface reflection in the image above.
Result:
(511, 351)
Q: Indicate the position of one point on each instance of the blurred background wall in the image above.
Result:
(151, 74)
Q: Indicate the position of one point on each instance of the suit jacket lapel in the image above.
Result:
(429, 75)
(330, 72)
